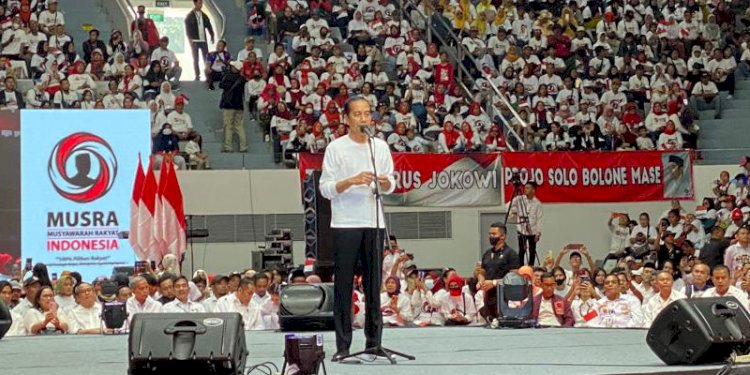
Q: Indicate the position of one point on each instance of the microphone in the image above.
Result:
(367, 130)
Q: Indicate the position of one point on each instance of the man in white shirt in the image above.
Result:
(653, 306)
(181, 303)
(249, 47)
(86, 316)
(181, 122)
(263, 299)
(614, 310)
(705, 95)
(526, 210)
(723, 288)
(141, 301)
(218, 290)
(168, 60)
(241, 302)
(346, 180)
(50, 17)
(738, 254)
(700, 281)
(31, 285)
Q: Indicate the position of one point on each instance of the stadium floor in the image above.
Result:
(450, 350)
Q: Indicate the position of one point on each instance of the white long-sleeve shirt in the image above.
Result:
(177, 306)
(355, 206)
(733, 291)
(534, 211)
(390, 316)
(250, 312)
(80, 318)
(622, 312)
(653, 306)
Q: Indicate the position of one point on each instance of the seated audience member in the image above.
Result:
(575, 261)
(425, 306)
(182, 124)
(562, 288)
(30, 286)
(242, 302)
(653, 306)
(85, 318)
(722, 286)
(153, 81)
(123, 294)
(646, 275)
(584, 305)
(395, 306)
(197, 156)
(298, 277)
(64, 292)
(269, 310)
(550, 309)
(141, 301)
(614, 310)
(217, 64)
(457, 306)
(65, 97)
(166, 141)
(218, 290)
(497, 261)
(166, 98)
(737, 254)
(700, 281)
(10, 98)
(181, 302)
(43, 317)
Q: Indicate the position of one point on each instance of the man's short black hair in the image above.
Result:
(720, 267)
(150, 279)
(181, 277)
(500, 226)
(260, 276)
(166, 276)
(355, 98)
(392, 238)
(547, 275)
(245, 281)
(675, 211)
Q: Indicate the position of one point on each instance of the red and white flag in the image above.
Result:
(146, 209)
(174, 216)
(134, 211)
(159, 219)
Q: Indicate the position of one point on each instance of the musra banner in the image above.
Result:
(436, 180)
(602, 176)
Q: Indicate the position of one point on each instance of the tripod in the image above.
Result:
(523, 219)
(378, 351)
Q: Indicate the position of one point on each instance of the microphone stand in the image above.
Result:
(378, 351)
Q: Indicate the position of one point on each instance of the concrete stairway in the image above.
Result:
(727, 140)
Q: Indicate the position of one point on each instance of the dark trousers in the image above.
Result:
(350, 245)
(490, 311)
(527, 243)
(203, 47)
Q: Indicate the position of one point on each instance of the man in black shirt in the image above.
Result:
(288, 26)
(496, 262)
(713, 251)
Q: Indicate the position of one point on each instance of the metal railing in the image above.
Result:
(118, 14)
(459, 56)
(221, 26)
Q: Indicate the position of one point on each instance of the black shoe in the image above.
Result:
(211, 87)
(339, 355)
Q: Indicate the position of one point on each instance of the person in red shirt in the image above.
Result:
(147, 28)
(560, 42)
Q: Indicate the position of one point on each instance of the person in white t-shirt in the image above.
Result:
(50, 17)
(722, 286)
(705, 95)
(614, 310)
(242, 302)
(654, 305)
(738, 254)
(181, 303)
(169, 63)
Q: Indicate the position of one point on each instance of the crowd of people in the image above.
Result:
(687, 254)
(121, 72)
(581, 75)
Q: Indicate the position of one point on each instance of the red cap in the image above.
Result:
(736, 214)
(179, 100)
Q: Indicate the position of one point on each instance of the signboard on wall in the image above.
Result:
(437, 180)
(77, 171)
(590, 177)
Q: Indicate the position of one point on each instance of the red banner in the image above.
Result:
(436, 180)
(574, 177)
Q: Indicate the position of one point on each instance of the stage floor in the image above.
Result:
(439, 351)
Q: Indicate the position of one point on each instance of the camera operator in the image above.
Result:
(526, 211)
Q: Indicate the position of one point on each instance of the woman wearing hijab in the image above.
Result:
(98, 65)
(117, 67)
(166, 97)
(282, 123)
(395, 307)
(448, 139)
(116, 44)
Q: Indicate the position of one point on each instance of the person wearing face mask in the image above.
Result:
(166, 140)
(424, 304)
(496, 262)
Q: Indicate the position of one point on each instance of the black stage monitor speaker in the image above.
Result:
(306, 307)
(699, 330)
(171, 343)
(6, 320)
